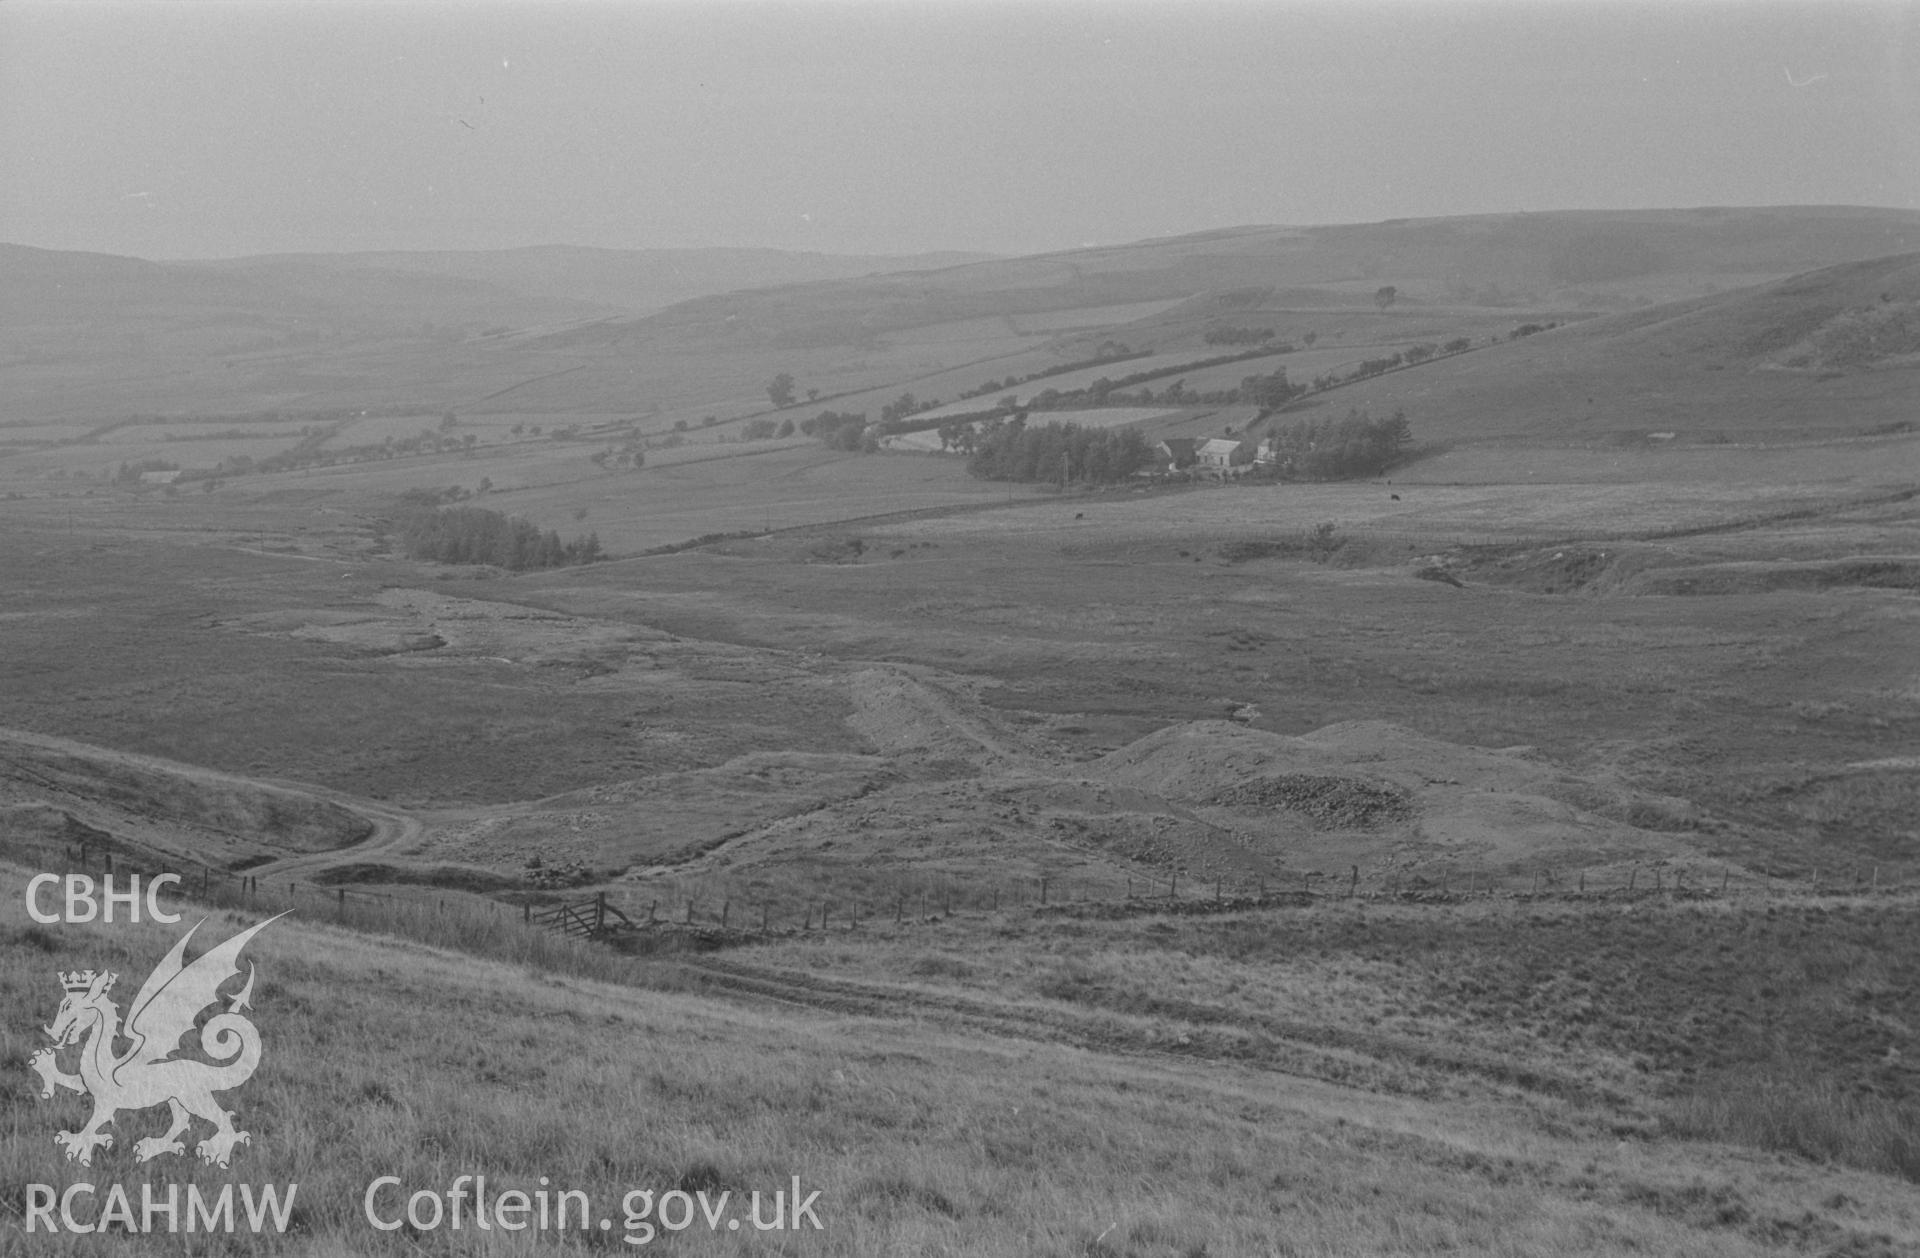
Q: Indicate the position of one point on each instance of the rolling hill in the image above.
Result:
(85, 332)
(1831, 353)
(629, 280)
(978, 322)
(1576, 260)
(91, 310)
(555, 330)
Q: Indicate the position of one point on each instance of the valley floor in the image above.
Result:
(1501, 869)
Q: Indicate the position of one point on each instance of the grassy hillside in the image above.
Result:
(1579, 259)
(531, 329)
(935, 1107)
(936, 333)
(1828, 354)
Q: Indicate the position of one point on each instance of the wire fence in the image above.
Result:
(191, 879)
(718, 915)
(644, 918)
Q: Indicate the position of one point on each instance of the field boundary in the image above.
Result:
(645, 920)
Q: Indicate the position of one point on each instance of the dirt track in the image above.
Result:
(119, 789)
(392, 829)
(1370, 1060)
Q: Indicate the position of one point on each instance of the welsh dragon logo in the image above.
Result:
(149, 1072)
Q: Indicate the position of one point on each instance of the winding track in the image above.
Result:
(392, 828)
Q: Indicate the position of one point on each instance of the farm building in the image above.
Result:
(1177, 453)
(1220, 453)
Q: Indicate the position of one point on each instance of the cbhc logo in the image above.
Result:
(81, 906)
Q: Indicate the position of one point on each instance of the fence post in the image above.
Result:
(689, 910)
(726, 910)
(1633, 876)
(526, 912)
(599, 912)
(1173, 884)
(343, 902)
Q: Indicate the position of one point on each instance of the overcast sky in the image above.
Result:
(191, 129)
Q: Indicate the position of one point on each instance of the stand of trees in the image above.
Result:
(905, 405)
(477, 535)
(1335, 449)
(838, 431)
(1062, 453)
